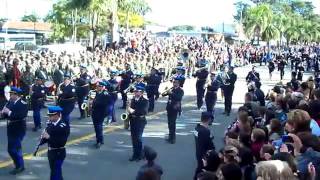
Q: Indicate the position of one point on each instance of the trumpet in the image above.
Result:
(167, 91)
(130, 87)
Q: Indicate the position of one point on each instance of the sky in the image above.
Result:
(164, 12)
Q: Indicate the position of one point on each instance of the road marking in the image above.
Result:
(106, 130)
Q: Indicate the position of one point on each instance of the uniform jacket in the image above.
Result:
(175, 98)
(100, 105)
(16, 120)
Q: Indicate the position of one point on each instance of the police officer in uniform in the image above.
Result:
(173, 108)
(82, 89)
(66, 98)
(15, 111)
(38, 95)
(56, 135)
(203, 140)
(100, 111)
(137, 116)
(153, 83)
(228, 89)
(211, 93)
(113, 89)
(126, 76)
(202, 75)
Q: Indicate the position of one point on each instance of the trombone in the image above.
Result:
(130, 87)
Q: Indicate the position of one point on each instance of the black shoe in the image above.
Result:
(98, 145)
(133, 159)
(170, 141)
(17, 171)
(35, 129)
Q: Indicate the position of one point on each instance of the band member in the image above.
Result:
(38, 94)
(174, 108)
(203, 140)
(66, 98)
(42, 72)
(100, 111)
(15, 111)
(211, 93)
(58, 75)
(271, 68)
(82, 89)
(253, 76)
(126, 76)
(281, 66)
(138, 80)
(56, 135)
(137, 111)
(152, 89)
(202, 75)
(113, 90)
(300, 72)
(228, 89)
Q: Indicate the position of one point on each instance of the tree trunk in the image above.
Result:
(114, 25)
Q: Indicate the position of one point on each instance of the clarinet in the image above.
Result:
(41, 142)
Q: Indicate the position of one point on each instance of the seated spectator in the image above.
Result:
(274, 170)
(150, 169)
(258, 140)
(229, 171)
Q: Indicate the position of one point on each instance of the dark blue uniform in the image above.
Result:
(67, 100)
(100, 112)
(204, 143)
(59, 132)
(137, 124)
(201, 81)
(125, 83)
(37, 102)
(173, 109)
(82, 90)
(113, 91)
(16, 130)
(253, 76)
(211, 95)
(228, 89)
(152, 89)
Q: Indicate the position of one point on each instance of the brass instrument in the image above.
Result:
(125, 116)
(87, 103)
(167, 91)
(225, 77)
(130, 87)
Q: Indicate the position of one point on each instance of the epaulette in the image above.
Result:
(105, 92)
(62, 125)
(23, 102)
(73, 90)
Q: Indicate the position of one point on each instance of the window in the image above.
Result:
(19, 39)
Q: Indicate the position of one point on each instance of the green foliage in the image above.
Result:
(293, 19)
(30, 18)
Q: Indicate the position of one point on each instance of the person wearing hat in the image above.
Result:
(38, 95)
(150, 156)
(15, 111)
(180, 71)
(127, 77)
(153, 83)
(113, 90)
(228, 89)
(137, 110)
(173, 108)
(201, 75)
(203, 140)
(56, 136)
(66, 98)
(42, 72)
(82, 88)
(100, 111)
(211, 93)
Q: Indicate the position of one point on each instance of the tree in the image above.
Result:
(30, 18)
(132, 8)
(241, 8)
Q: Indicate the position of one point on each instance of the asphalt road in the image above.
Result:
(84, 162)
